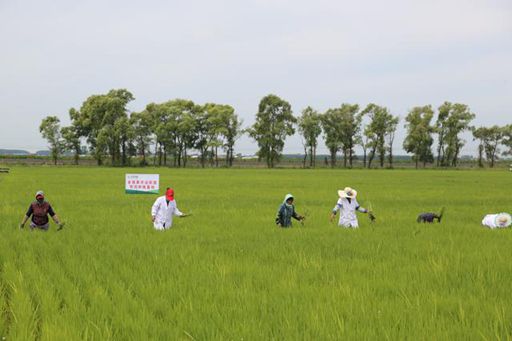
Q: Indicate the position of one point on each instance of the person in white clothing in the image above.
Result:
(500, 220)
(164, 209)
(347, 205)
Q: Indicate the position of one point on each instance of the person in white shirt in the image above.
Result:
(500, 220)
(347, 205)
(164, 209)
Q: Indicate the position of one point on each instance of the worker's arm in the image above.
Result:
(24, 221)
(177, 212)
(335, 210)
(279, 215)
(26, 217)
(154, 210)
(54, 216)
(297, 216)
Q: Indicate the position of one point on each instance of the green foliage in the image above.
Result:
(274, 122)
(50, 130)
(419, 138)
(310, 128)
(228, 273)
(453, 119)
(382, 127)
(102, 120)
(142, 128)
(332, 133)
(507, 139)
(490, 138)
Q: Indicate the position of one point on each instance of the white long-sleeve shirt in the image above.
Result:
(164, 212)
(347, 210)
(490, 221)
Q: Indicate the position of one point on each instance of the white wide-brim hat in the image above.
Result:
(347, 193)
(503, 220)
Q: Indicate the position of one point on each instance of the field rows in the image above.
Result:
(228, 273)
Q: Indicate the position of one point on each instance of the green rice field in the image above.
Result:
(228, 273)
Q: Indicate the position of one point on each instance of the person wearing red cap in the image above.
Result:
(39, 211)
(164, 209)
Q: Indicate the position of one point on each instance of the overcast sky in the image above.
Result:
(397, 53)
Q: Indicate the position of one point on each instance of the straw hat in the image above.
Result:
(503, 220)
(347, 193)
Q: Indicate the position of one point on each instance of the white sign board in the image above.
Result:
(142, 183)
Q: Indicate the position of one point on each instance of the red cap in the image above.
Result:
(169, 194)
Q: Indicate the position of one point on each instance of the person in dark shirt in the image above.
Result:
(286, 212)
(39, 211)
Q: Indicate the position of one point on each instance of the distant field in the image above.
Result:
(228, 273)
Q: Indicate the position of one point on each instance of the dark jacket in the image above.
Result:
(285, 213)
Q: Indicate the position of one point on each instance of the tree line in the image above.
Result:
(104, 128)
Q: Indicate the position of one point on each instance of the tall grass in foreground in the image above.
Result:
(228, 273)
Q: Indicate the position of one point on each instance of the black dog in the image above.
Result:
(430, 217)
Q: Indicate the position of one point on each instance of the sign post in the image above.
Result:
(142, 183)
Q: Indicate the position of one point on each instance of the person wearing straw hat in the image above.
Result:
(286, 212)
(164, 209)
(500, 220)
(347, 205)
(38, 211)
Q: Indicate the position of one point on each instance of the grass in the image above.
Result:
(228, 273)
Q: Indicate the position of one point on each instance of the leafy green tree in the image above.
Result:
(382, 126)
(50, 130)
(310, 128)
(218, 122)
(142, 125)
(453, 119)
(232, 133)
(274, 122)
(490, 138)
(205, 134)
(100, 113)
(350, 127)
(390, 137)
(332, 133)
(124, 131)
(419, 140)
(507, 139)
(71, 142)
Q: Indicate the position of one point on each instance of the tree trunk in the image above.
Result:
(304, 161)
(333, 158)
(370, 158)
(77, 156)
(160, 155)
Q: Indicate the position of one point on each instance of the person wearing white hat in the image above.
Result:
(39, 211)
(500, 220)
(347, 205)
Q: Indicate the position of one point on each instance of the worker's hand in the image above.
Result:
(371, 216)
(153, 219)
(61, 226)
(331, 218)
(22, 226)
